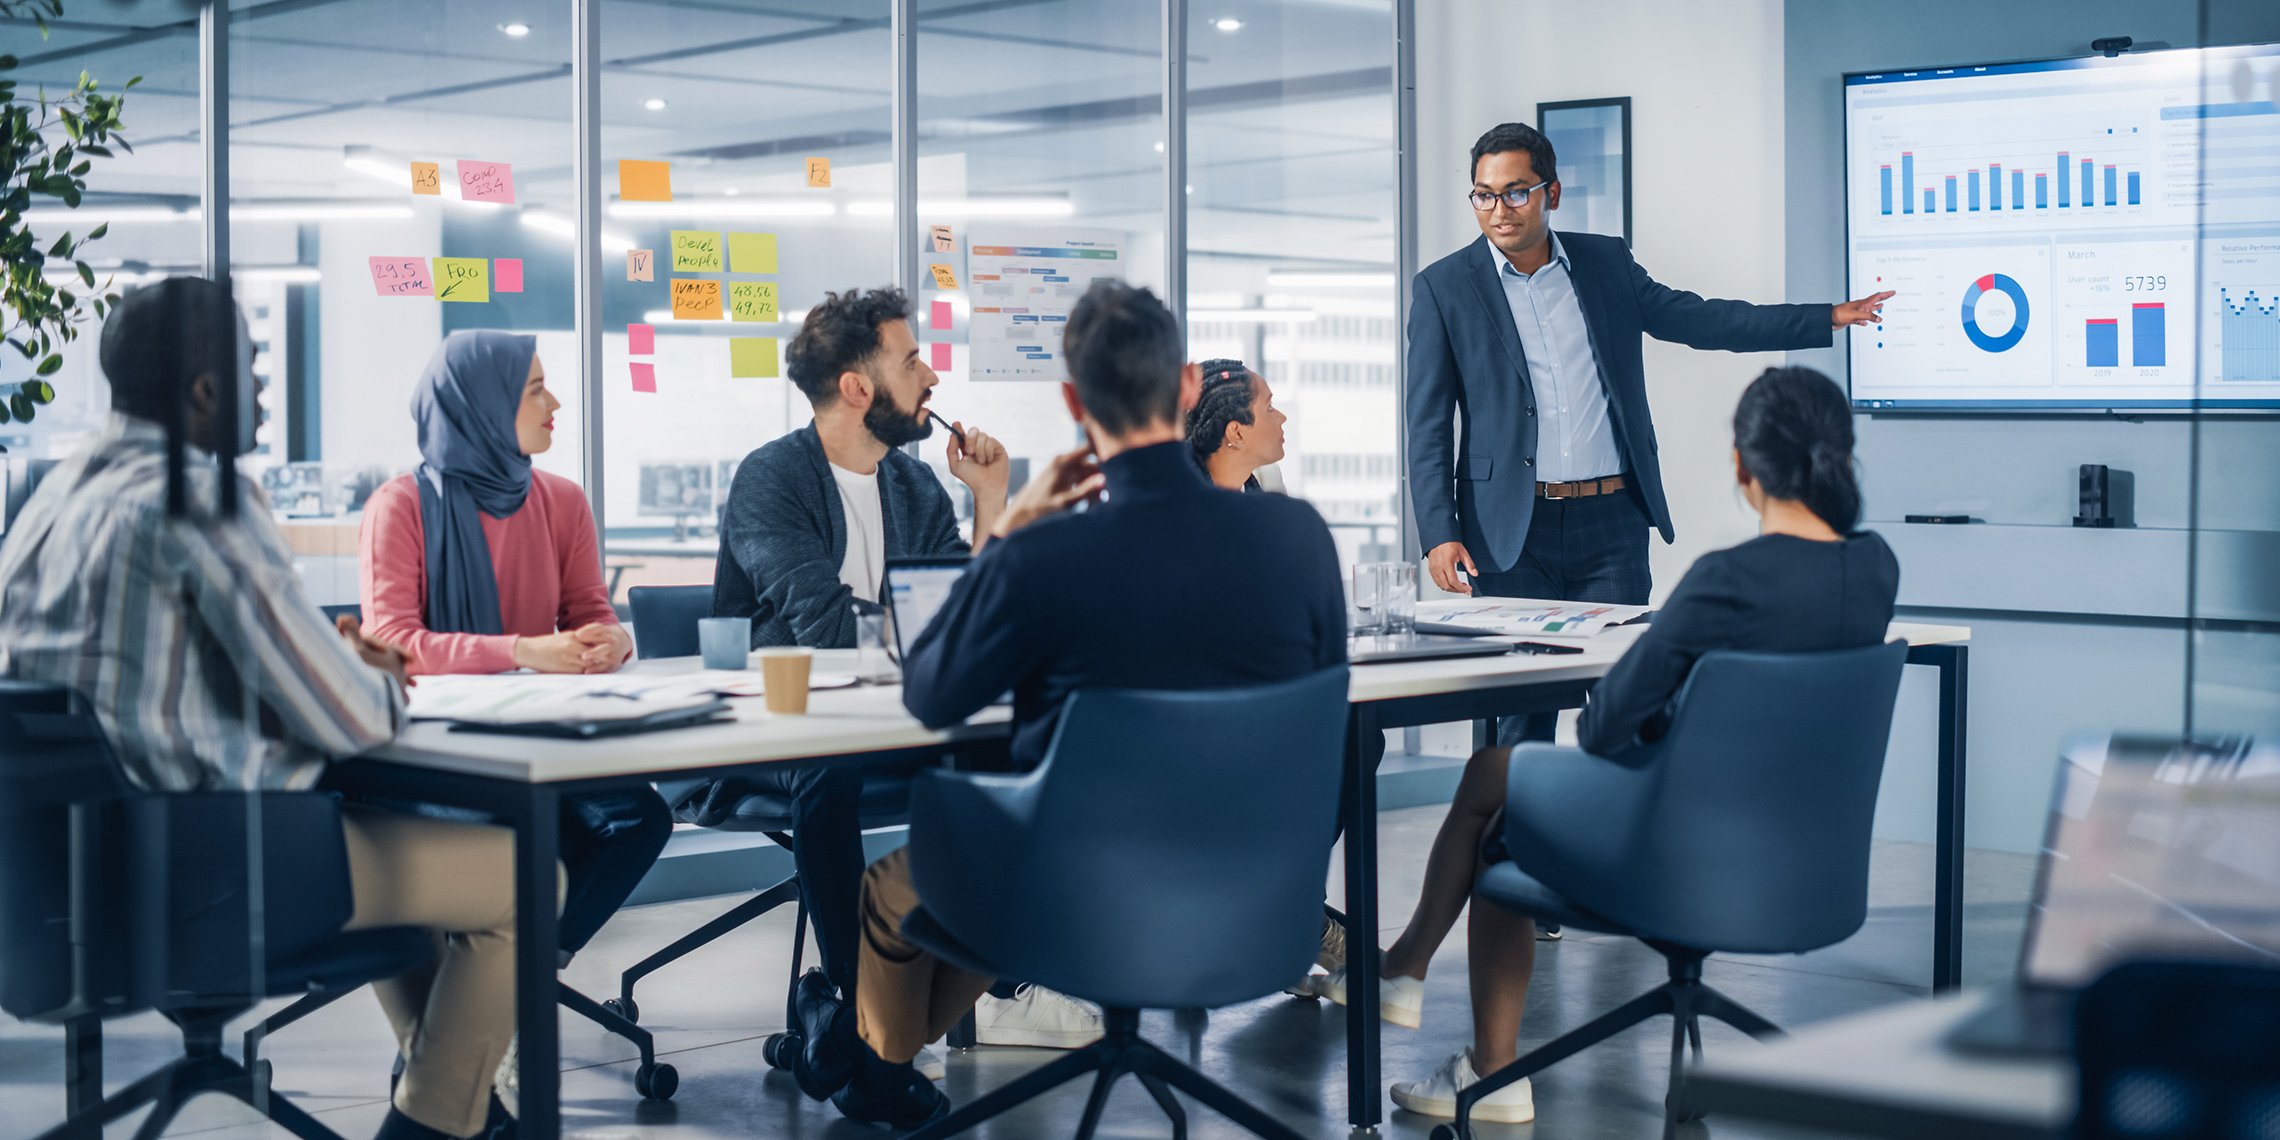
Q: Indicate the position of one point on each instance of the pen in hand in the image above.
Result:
(931, 414)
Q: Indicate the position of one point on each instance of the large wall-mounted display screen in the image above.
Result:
(2076, 233)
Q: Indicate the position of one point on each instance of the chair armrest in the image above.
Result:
(1570, 817)
(968, 841)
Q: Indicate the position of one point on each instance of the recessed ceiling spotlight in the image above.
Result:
(516, 29)
(653, 104)
(731, 191)
(1228, 24)
(1159, 146)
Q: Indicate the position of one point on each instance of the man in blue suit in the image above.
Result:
(1551, 482)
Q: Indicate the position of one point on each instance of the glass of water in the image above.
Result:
(874, 663)
(1369, 598)
(1397, 596)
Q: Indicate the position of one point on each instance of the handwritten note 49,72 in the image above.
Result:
(752, 301)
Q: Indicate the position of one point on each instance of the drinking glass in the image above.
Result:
(873, 661)
(724, 641)
(1397, 598)
(1369, 598)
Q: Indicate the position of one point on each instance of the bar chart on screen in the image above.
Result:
(2122, 312)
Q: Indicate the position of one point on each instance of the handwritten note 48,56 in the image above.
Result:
(402, 277)
(752, 301)
(696, 300)
(696, 251)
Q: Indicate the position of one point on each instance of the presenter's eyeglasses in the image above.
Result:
(1516, 197)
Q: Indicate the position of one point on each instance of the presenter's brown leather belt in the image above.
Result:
(1581, 489)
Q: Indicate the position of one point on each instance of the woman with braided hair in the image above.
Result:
(1234, 428)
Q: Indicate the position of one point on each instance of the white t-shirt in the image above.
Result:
(866, 559)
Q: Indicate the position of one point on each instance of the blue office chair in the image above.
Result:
(116, 902)
(1168, 853)
(665, 619)
(1745, 829)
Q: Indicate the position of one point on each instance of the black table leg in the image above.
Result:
(82, 1064)
(1365, 745)
(1953, 662)
(537, 954)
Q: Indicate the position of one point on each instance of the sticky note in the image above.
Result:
(506, 274)
(486, 182)
(640, 265)
(751, 357)
(752, 301)
(696, 300)
(940, 353)
(402, 277)
(640, 181)
(427, 178)
(943, 242)
(751, 253)
(696, 251)
(640, 340)
(644, 377)
(819, 172)
(943, 278)
(462, 279)
(938, 315)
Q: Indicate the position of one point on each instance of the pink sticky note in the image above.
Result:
(939, 316)
(486, 182)
(941, 352)
(644, 377)
(402, 277)
(506, 275)
(640, 340)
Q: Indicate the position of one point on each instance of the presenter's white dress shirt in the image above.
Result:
(1576, 439)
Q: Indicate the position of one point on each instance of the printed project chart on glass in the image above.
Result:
(2089, 233)
(1025, 282)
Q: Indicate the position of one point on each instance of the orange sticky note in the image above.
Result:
(640, 265)
(943, 278)
(695, 300)
(644, 377)
(943, 242)
(427, 178)
(819, 172)
(640, 181)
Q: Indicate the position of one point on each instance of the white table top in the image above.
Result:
(871, 718)
(1891, 1065)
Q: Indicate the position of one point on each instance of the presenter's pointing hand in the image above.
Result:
(1867, 310)
(1442, 562)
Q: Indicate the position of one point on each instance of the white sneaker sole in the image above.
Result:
(1036, 1038)
(1447, 1109)
(1400, 1015)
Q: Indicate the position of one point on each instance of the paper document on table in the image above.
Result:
(536, 698)
(1519, 617)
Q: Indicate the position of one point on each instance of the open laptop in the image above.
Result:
(914, 590)
(2154, 849)
(1378, 649)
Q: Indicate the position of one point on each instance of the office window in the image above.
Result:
(769, 132)
(1291, 233)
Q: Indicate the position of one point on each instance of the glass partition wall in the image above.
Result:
(399, 171)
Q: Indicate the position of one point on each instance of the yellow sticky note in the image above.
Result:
(752, 253)
(696, 300)
(427, 178)
(943, 278)
(696, 251)
(819, 172)
(462, 278)
(751, 357)
(752, 300)
(640, 181)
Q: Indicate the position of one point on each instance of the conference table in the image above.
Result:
(520, 782)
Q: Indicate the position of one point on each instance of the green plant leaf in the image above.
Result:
(98, 231)
(40, 391)
(62, 246)
(4, 416)
(21, 406)
(48, 367)
(87, 274)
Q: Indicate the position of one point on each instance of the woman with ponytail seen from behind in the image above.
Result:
(1810, 582)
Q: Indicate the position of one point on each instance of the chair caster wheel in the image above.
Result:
(263, 1074)
(623, 1007)
(1445, 1132)
(779, 1050)
(656, 1082)
(1680, 1115)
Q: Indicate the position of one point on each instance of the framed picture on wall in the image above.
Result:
(1593, 140)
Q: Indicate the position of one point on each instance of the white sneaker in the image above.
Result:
(1436, 1095)
(929, 1063)
(507, 1081)
(1400, 1000)
(1037, 1017)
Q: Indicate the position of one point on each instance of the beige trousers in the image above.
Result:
(453, 1017)
(904, 996)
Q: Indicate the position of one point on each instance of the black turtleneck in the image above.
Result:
(1168, 583)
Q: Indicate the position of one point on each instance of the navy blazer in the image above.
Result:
(1464, 352)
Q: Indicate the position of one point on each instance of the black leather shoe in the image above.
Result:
(822, 1068)
(498, 1125)
(398, 1126)
(894, 1095)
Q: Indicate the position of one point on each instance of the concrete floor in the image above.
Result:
(711, 1011)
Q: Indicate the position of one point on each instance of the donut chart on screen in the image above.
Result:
(1994, 282)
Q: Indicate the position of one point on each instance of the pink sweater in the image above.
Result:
(550, 575)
